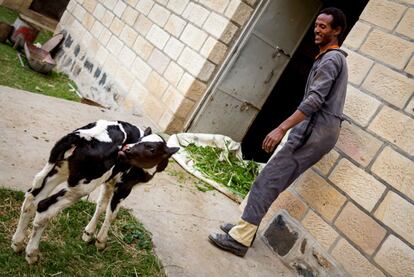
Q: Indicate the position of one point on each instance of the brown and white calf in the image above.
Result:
(114, 154)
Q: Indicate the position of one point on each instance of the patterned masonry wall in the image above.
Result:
(149, 56)
(156, 57)
(358, 201)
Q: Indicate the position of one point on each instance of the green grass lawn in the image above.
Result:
(63, 253)
(12, 74)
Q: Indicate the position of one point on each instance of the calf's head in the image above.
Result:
(151, 151)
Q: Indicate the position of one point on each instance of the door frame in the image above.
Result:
(232, 57)
(228, 62)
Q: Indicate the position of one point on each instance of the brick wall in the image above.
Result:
(149, 56)
(358, 201)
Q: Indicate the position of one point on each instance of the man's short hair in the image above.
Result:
(339, 20)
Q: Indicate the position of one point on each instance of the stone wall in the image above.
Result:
(358, 201)
(149, 56)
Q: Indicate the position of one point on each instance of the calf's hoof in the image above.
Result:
(32, 257)
(87, 237)
(18, 246)
(100, 245)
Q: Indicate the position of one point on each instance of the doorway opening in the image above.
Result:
(52, 8)
(289, 90)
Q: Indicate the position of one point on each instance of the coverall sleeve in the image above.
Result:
(321, 85)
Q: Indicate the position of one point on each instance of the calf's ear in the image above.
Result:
(147, 131)
(172, 150)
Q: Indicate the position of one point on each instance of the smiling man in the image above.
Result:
(315, 129)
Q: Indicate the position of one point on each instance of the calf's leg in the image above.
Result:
(105, 195)
(43, 183)
(120, 193)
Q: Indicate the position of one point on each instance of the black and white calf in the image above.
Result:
(114, 154)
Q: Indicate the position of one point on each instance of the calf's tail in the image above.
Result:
(64, 144)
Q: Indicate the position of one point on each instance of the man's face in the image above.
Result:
(324, 34)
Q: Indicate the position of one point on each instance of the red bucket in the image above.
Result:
(23, 32)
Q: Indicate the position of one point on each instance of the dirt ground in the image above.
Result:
(179, 216)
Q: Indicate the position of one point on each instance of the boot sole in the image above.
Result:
(231, 250)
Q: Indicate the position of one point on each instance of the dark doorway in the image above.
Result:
(50, 8)
(289, 90)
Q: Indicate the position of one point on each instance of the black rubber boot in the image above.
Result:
(227, 243)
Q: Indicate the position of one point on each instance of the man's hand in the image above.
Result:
(272, 139)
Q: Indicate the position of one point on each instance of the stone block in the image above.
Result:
(119, 8)
(143, 24)
(207, 71)
(97, 29)
(111, 65)
(396, 170)
(406, 25)
(397, 213)
(388, 48)
(166, 118)
(157, 36)
(158, 60)
(125, 78)
(319, 195)
(141, 69)
(358, 184)
(319, 229)
(89, 5)
(99, 12)
(327, 162)
(238, 12)
(191, 87)
(360, 228)
(173, 73)
(143, 47)
(175, 25)
(173, 48)
(105, 36)
(177, 6)
(358, 144)
(411, 2)
(359, 106)
(229, 33)
(216, 5)
(191, 61)
(358, 67)
(410, 107)
(390, 85)
(115, 45)
(176, 125)
(145, 6)
(159, 15)
(216, 25)
(110, 4)
(410, 66)
(177, 103)
(193, 36)
(117, 26)
(130, 15)
(383, 13)
(395, 127)
(79, 12)
(126, 56)
(153, 107)
(101, 55)
(396, 257)
(88, 21)
(214, 50)
(353, 261)
(156, 84)
(287, 201)
(134, 99)
(128, 36)
(196, 14)
(108, 18)
(357, 35)
(297, 249)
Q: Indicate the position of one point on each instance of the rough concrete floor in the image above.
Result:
(178, 215)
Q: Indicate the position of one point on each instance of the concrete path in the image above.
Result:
(178, 215)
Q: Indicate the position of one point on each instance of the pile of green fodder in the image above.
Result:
(224, 167)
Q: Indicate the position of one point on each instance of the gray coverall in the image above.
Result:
(308, 141)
